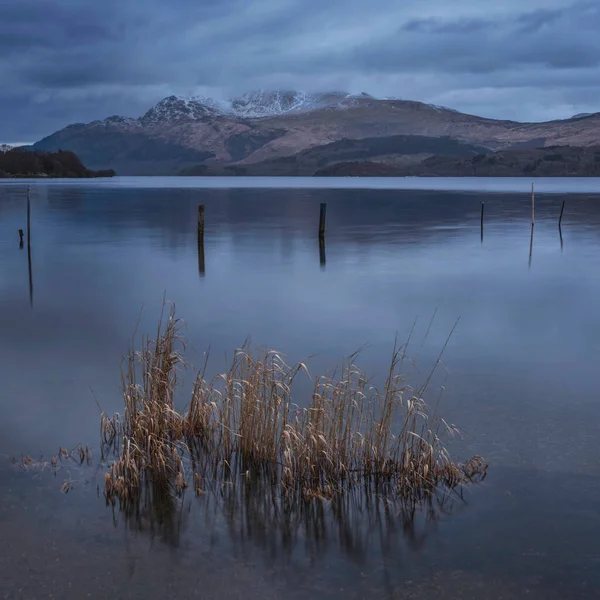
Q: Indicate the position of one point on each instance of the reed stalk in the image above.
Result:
(244, 424)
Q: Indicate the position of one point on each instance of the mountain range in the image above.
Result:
(289, 132)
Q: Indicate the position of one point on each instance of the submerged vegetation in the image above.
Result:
(244, 426)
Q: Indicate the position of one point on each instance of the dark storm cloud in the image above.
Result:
(564, 38)
(556, 39)
(78, 60)
(30, 24)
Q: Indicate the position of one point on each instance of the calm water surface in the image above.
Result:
(520, 377)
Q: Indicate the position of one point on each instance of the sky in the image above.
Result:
(70, 61)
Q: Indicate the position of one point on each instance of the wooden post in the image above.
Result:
(482, 207)
(562, 210)
(201, 222)
(322, 217)
(201, 266)
(532, 206)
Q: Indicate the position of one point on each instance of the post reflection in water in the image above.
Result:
(531, 245)
(29, 248)
(30, 275)
(561, 238)
(322, 255)
(201, 266)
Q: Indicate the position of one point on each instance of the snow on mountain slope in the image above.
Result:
(263, 103)
(258, 104)
(5, 147)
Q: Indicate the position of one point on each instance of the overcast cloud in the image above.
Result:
(75, 60)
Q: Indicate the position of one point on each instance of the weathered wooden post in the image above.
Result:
(562, 210)
(201, 222)
(482, 207)
(201, 266)
(322, 217)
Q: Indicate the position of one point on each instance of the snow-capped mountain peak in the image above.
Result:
(258, 104)
(174, 108)
(270, 103)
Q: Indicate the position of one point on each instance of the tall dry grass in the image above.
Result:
(244, 424)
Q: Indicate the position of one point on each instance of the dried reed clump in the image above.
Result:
(60, 461)
(150, 431)
(244, 422)
(78, 455)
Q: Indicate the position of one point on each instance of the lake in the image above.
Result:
(519, 376)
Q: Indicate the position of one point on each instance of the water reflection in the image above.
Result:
(201, 265)
(481, 225)
(418, 215)
(30, 269)
(523, 387)
(322, 255)
(531, 245)
(353, 524)
(158, 514)
(255, 517)
(523, 527)
(561, 239)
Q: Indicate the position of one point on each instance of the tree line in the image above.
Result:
(20, 162)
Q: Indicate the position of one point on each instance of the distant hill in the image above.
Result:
(20, 162)
(261, 127)
(552, 161)
(398, 150)
(361, 169)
